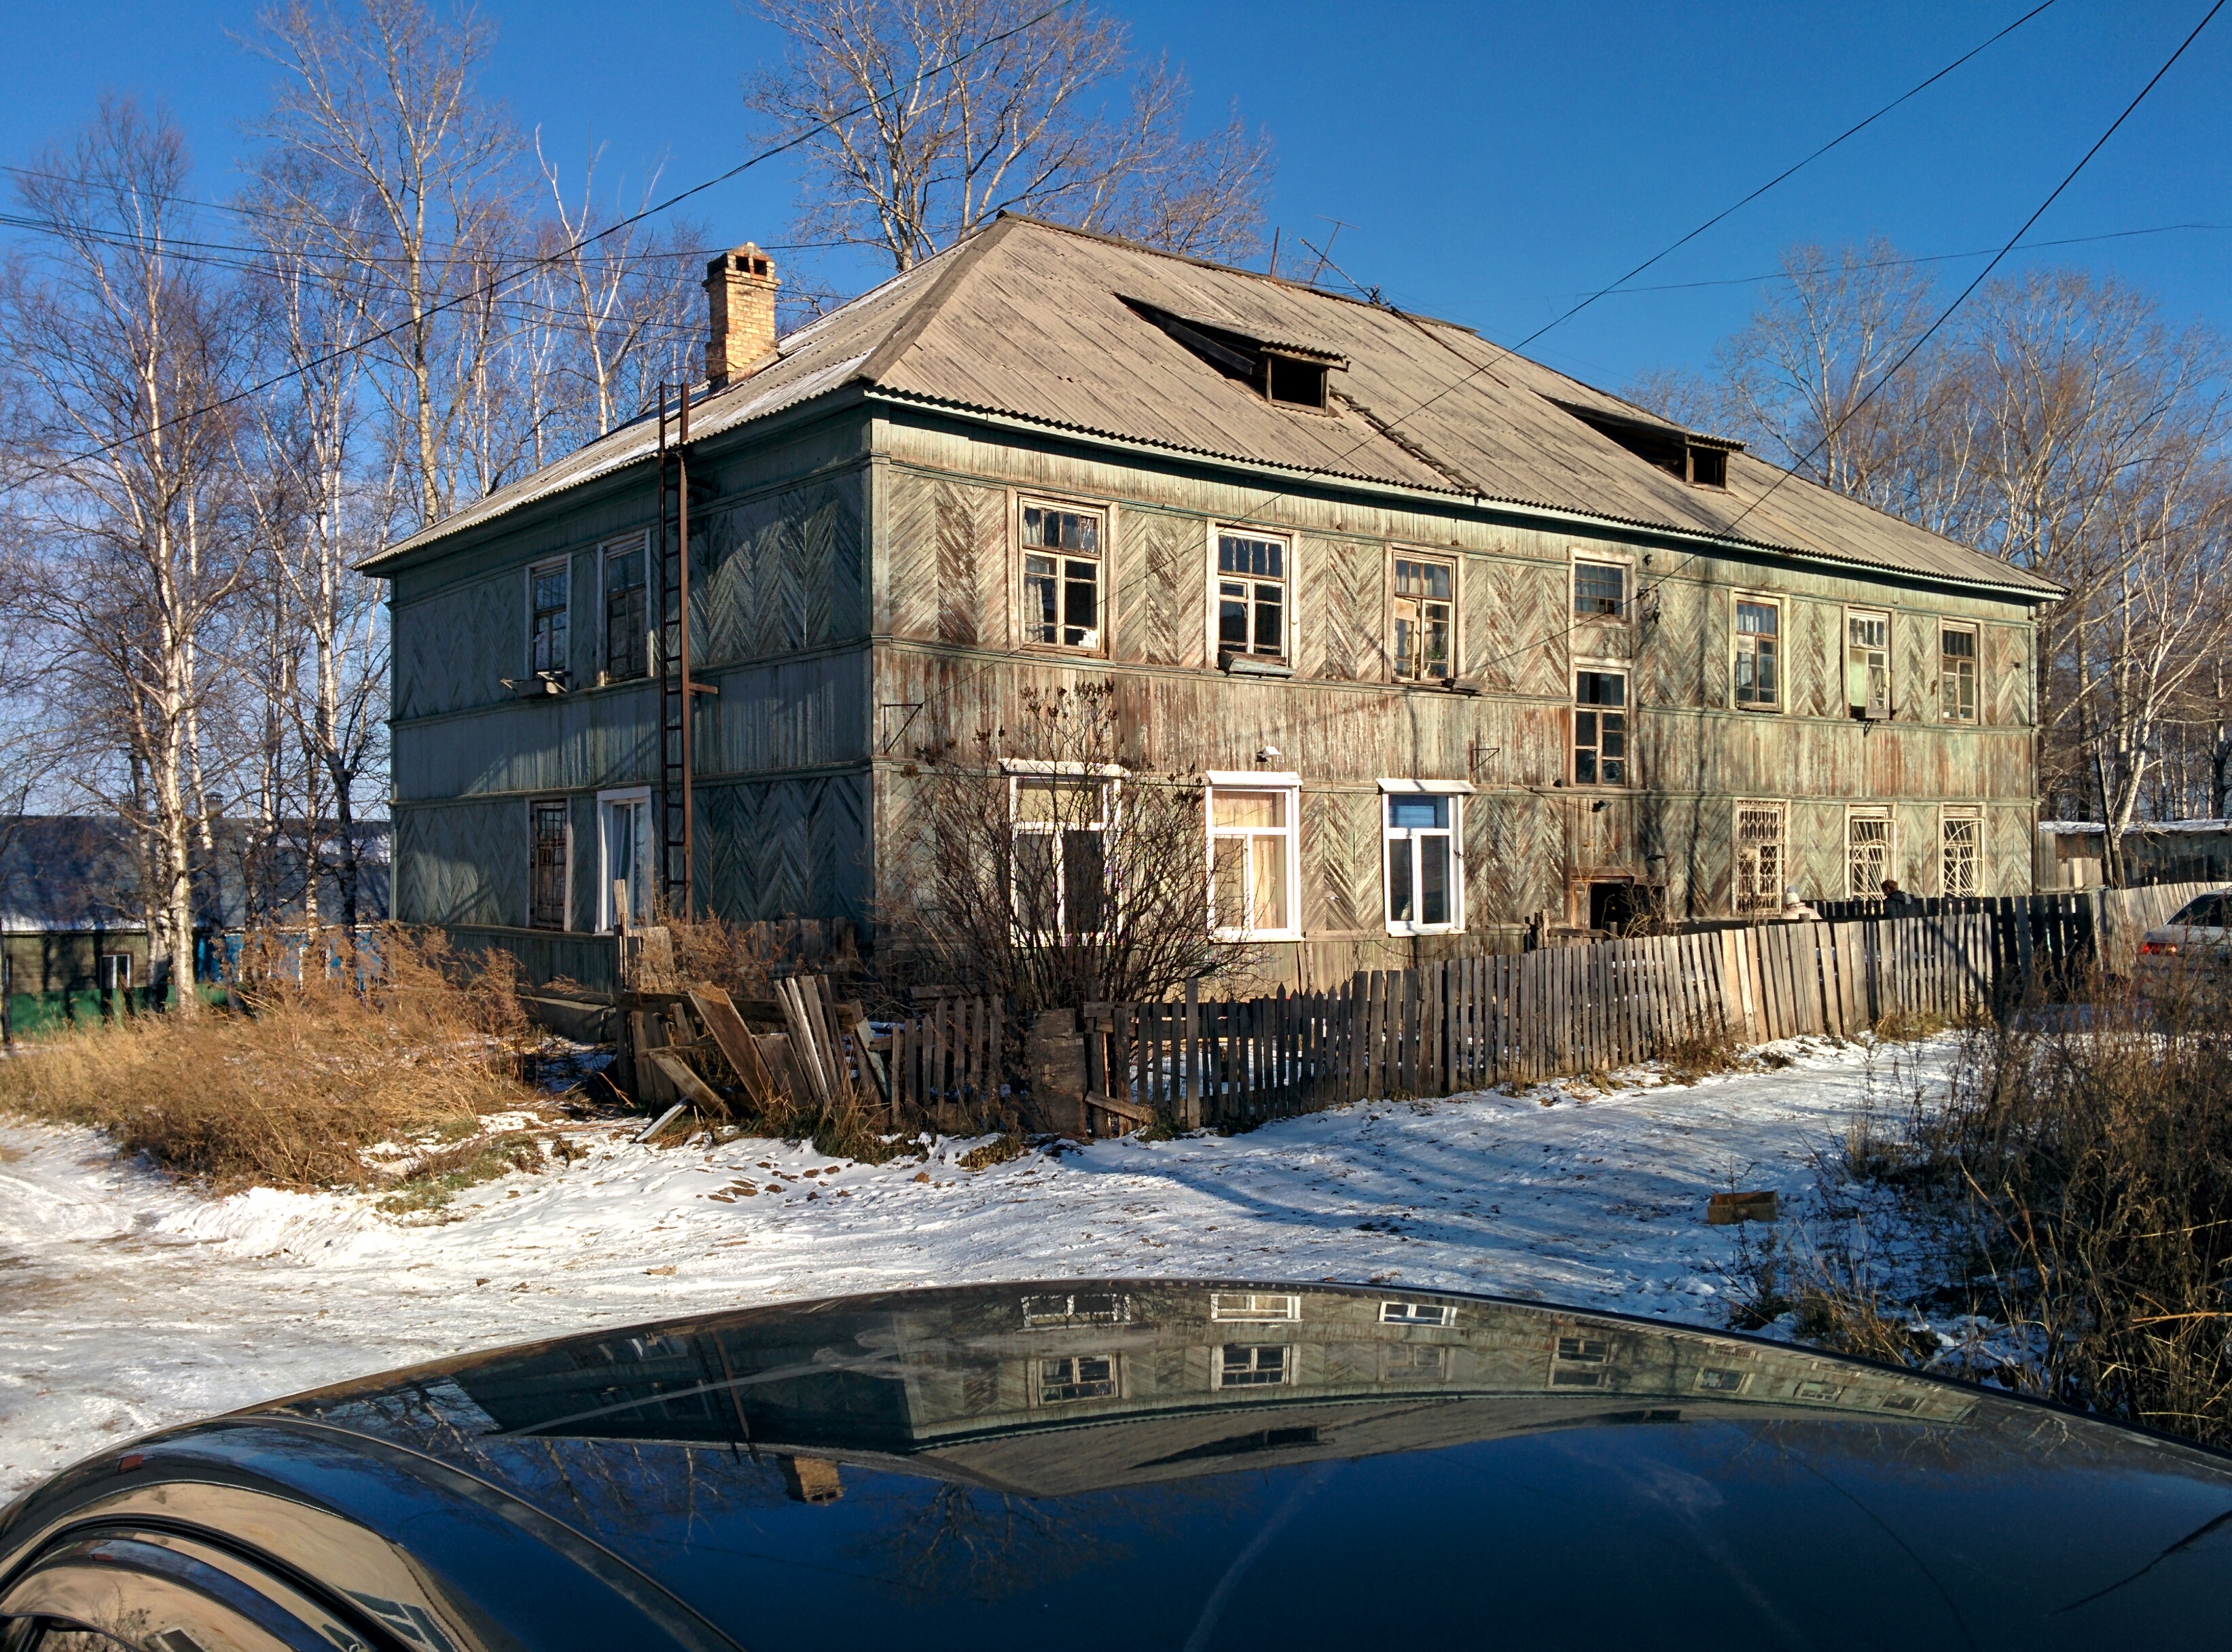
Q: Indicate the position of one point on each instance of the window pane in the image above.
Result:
(1257, 809)
(1585, 767)
(1232, 616)
(1600, 687)
(1961, 645)
(1039, 600)
(1599, 588)
(1755, 618)
(1081, 595)
(1418, 812)
(1399, 881)
(1437, 641)
(1038, 801)
(1082, 880)
(1434, 879)
(1062, 530)
(1269, 636)
(1037, 910)
(1228, 883)
(1614, 739)
(1267, 892)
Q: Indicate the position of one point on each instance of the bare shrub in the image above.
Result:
(2072, 1191)
(318, 1064)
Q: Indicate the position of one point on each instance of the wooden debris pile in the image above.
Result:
(787, 1064)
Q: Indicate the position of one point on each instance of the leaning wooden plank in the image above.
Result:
(734, 1042)
(803, 1043)
(661, 1122)
(684, 1077)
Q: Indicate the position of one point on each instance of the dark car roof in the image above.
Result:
(1190, 1464)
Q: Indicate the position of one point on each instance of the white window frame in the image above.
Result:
(605, 555)
(1456, 792)
(565, 890)
(1287, 1362)
(1849, 648)
(1222, 780)
(1736, 812)
(1028, 620)
(1948, 816)
(1975, 635)
(1738, 599)
(1397, 555)
(113, 971)
(1254, 1307)
(622, 794)
(1218, 652)
(1109, 777)
(1444, 1314)
(562, 565)
(1870, 811)
(1575, 709)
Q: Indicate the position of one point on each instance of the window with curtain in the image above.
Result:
(1251, 841)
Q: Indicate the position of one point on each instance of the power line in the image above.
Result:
(738, 169)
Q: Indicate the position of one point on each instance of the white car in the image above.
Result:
(2196, 943)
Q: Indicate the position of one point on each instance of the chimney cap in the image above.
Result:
(747, 260)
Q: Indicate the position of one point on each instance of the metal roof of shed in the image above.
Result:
(1030, 321)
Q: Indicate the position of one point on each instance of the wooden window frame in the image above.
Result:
(605, 801)
(1738, 599)
(538, 571)
(112, 971)
(1243, 780)
(1026, 617)
(1254, 1307)
(1453, 794)
(1606, 558)
(1884, 812)
(1218, 652)
(1948, 816)
(1044, 1378)
(1575, 710)
(1737, 810)
(1846, 648)
(1250, 1376)
(563, 809)
(1397, 554)
(1108, 779)
(606, 554)
(1975, 633)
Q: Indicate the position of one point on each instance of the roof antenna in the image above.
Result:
(1275, 249)
(1325, 253)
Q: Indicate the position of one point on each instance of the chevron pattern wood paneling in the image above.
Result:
(454, 648)
(462, 864)
(2010, 851)
(785, 848)
(1515, 626)
(1809, 656)
(1514, 858)
(1339, 611)
(778, 573)
(2005, 669)
(1164, 585)
(1669, 656)
(954, 530)
(1914, 668)
(1816, 849)
(1341, 860)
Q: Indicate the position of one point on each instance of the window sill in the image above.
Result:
(1255, 934)
(1412, 931)
(1253, 665)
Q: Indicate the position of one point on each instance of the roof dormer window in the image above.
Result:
(1701, 461)
(1296, 382)
(1286, 372)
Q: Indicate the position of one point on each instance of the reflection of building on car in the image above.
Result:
(988, 1463)
(2196, 945)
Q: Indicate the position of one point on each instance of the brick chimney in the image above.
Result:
(740, 296)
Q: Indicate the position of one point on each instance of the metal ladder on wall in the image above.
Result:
(677, 810)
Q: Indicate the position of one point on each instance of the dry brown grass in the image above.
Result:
(290, 1089)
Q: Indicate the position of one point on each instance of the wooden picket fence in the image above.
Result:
(1469, 1023)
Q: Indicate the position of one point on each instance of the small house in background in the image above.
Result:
(1453, 648)
(73, 927)
(2073, 854)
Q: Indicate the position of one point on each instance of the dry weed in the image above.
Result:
(311, 1070)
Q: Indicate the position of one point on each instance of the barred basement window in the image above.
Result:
(1241, 1366)
(1961, 841)
(1062, 577)
(1867, 852)
(1957, 659)
(1425, 595)
(546, 900)
(1759, 862)
(1758, 667)
(1077, 1377)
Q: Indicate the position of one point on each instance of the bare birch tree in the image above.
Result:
(120, 359)
(411, 175)
(925, 119)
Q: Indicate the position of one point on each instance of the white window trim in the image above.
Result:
(618, 794)
(1851, 611)
(1781, 606)
(1455, 560)
(566, 899)
(1020, 769)
(1103, 645)
(1606, 557)
(1288, 630)
(536, 571)
(1456, 790)
(1254, 1307)
(1947, 812)
(1231, 780)
(605, 552)
(1889, 816)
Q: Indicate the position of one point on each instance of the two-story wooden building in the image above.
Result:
(1453, 643)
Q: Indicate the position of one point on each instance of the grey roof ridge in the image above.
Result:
(904, 337)
(2044, 588)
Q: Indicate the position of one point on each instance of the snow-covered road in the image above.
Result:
(127, 1301)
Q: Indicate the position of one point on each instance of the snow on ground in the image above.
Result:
(128, 1301)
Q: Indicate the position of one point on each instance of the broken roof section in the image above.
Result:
(1053, 327)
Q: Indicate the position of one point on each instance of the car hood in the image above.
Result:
(1198, 1464)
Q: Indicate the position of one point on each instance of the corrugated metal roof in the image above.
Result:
(1030, 320)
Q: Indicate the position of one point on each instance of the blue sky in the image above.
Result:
(1493, 162)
